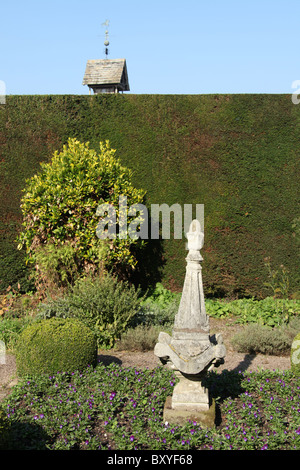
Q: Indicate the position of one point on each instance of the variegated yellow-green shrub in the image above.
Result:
(59, 208)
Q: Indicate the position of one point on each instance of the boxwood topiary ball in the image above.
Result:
(55, 345)
(295, 355)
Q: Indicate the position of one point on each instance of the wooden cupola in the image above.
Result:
(106, 76)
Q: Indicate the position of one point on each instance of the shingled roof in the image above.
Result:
(106, 72)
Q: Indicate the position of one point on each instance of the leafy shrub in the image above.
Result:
(161, 296)
(141, 338)
(106, 305)
(159, 307)
(56, 266)
(218, 308)
(10, 329)
(256, 338)
(55, 345)
(59, 208)
(151, 313)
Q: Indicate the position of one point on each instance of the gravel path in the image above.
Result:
(233, 360)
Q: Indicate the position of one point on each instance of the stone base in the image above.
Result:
(190, 394)
(179, 417)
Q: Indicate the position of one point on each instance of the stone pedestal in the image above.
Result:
(190, 394)
(190, 401)
(190, 352)
(179, 417)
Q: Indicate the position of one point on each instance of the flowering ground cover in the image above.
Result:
(122, 409)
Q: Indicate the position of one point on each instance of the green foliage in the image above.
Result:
(296, 227)
(56, 265)
(161, 296)
(151, 313)
(255, 338)
(278, 280)
(53, 345)
(295, 355)
(269, 311)
(140, 338)
(4, 430)
(106, 305)
(10, 329)
(116, 408)
(59, 208)
(219, 150)
(159, 307)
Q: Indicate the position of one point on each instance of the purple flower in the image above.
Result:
(131, 438)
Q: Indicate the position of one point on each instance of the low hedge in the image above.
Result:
(53, 345)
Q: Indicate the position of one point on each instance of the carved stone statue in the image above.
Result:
(190, 351)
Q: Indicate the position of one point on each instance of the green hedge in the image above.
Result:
(55, 345)
(236, 154)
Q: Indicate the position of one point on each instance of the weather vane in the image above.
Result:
(106, 42)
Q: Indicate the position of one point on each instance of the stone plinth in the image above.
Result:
(189, 394)
(179, 417)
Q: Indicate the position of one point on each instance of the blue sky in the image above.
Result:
(171, 46)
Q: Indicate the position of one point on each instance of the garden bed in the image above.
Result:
(233, 361)
(119, 404)
(121, 408)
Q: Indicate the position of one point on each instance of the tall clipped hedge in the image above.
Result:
(236, 154)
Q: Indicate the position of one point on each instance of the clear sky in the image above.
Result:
(170, 46)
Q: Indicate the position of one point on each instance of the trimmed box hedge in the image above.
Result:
(55, 345)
